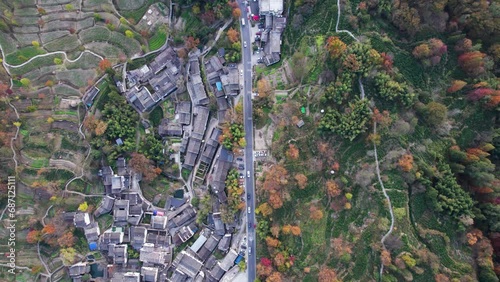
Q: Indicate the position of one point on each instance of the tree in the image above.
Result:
(33, 236)
(275, 230)
(104, 65)
(335, 47)
(275, 200)
(143, 165)
(441, 278)
(264, 269)
(265, 209)
(129, 33)
(385, 257)
(233, 35)
(272, 242)
(286, 229)
(192, 42)
(315, 213)
(264, 88)
(49, 229)
(68, 255)
(332, 188)
(236, 13)
(49, 83)
(100, 128)
(301, 180)
(435, 113)
(279, 260)
(50, 120)
(296, 230)
(456, 85)
(463, 45)
(35, 44)
(83, 207)
(66, 240)
(58, 61)
(25, 82)
(406, 162)
(275, 277)
(327, 275)
(69, 7)
(196, 9)
(292, 152)
(472, 63)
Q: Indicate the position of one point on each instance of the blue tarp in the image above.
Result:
(93, 246)
(219, 85)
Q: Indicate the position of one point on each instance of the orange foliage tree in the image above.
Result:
(236, 13)
(385, 257)
(332, 188)
(292, 152)
(315, 213)
(265, 209)
(275, 230)
(335, 47)
(472, 63)
(275, 277)
(66, 240)
(33, 236)
(49, 229)
(456, 85)
(192, 42)
(275, 200)
(406, 162)
(301, 180)
(143, 165)
(233, 35)
(327, 275)
(272, 242)
(296, 230)
(104, 64)
(286, 229)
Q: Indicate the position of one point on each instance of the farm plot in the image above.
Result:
(23, 54)
(52, 35)
(65, 43)
(105, 49)
(77, 77)
(26, 11)
(65, 90)
(129, 4)
(85, 23)
(58, 25)
(55, 2)
(86, 61)
(36, 63)
(27, 20)
(26, 39)
(8, 44)
(26, 29)
(97, 33)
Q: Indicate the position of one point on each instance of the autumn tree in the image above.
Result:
(66, 240)
(279, 260)
(327, 275)
(335, 47)
(275, 230)
(192, 42)
(104, 65)
(385, 257)
(286, 229)
(143, 165)
(332, 188)
(33, 236)
(264, 267)
(301, 180)
(272, 242)
(233, 35)
(264, 88)
(406, 162)
(435, 113)
(463, 45)
(295, 229)
(49, 229)
(275, 277)
(68, 255)
(472, 63)
(236, 13)
(265, 209)
(430, 53)
(275, 200)
(292, 152)
(456, 85)
(441, 278)
(315, 213)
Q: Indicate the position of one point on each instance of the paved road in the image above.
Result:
(248, 124)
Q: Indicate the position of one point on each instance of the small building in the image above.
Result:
(224, 243)
(149, 274)
(198, 243)
(187, 263)
(114, 236)
(81, 220)
(92, 232)
(159, 222)
(105, 207)
(88, 98)
(77, 270)
(121, 211)
(117, 184)
(300, 123)
(183, 234)
(118, 253)
(138, 236)
(151, 255)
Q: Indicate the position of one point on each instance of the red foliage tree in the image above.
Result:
(472, 63)
(33, 237)
(192, 42)
(104, 65)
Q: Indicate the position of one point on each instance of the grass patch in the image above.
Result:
(39, 163)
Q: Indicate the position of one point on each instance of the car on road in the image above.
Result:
(239, 159)
(248, 173)
(248, 197)
(245, 44)
(249, 210)
(241, 72)
(249, 251)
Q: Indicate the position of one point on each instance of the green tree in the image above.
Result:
(25, 82)
(69, 7)
(435, 113)
(129, 33)
(58, 61)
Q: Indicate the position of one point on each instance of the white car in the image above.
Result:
(245, 44)
(249, 210)
(241, 72)
(248, 173)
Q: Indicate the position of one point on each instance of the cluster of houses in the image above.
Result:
(139, 245)
(151, 84)
(274, 26)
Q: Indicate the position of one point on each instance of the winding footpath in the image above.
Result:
(362, 96)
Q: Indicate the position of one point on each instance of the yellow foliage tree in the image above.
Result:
(83, 207)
